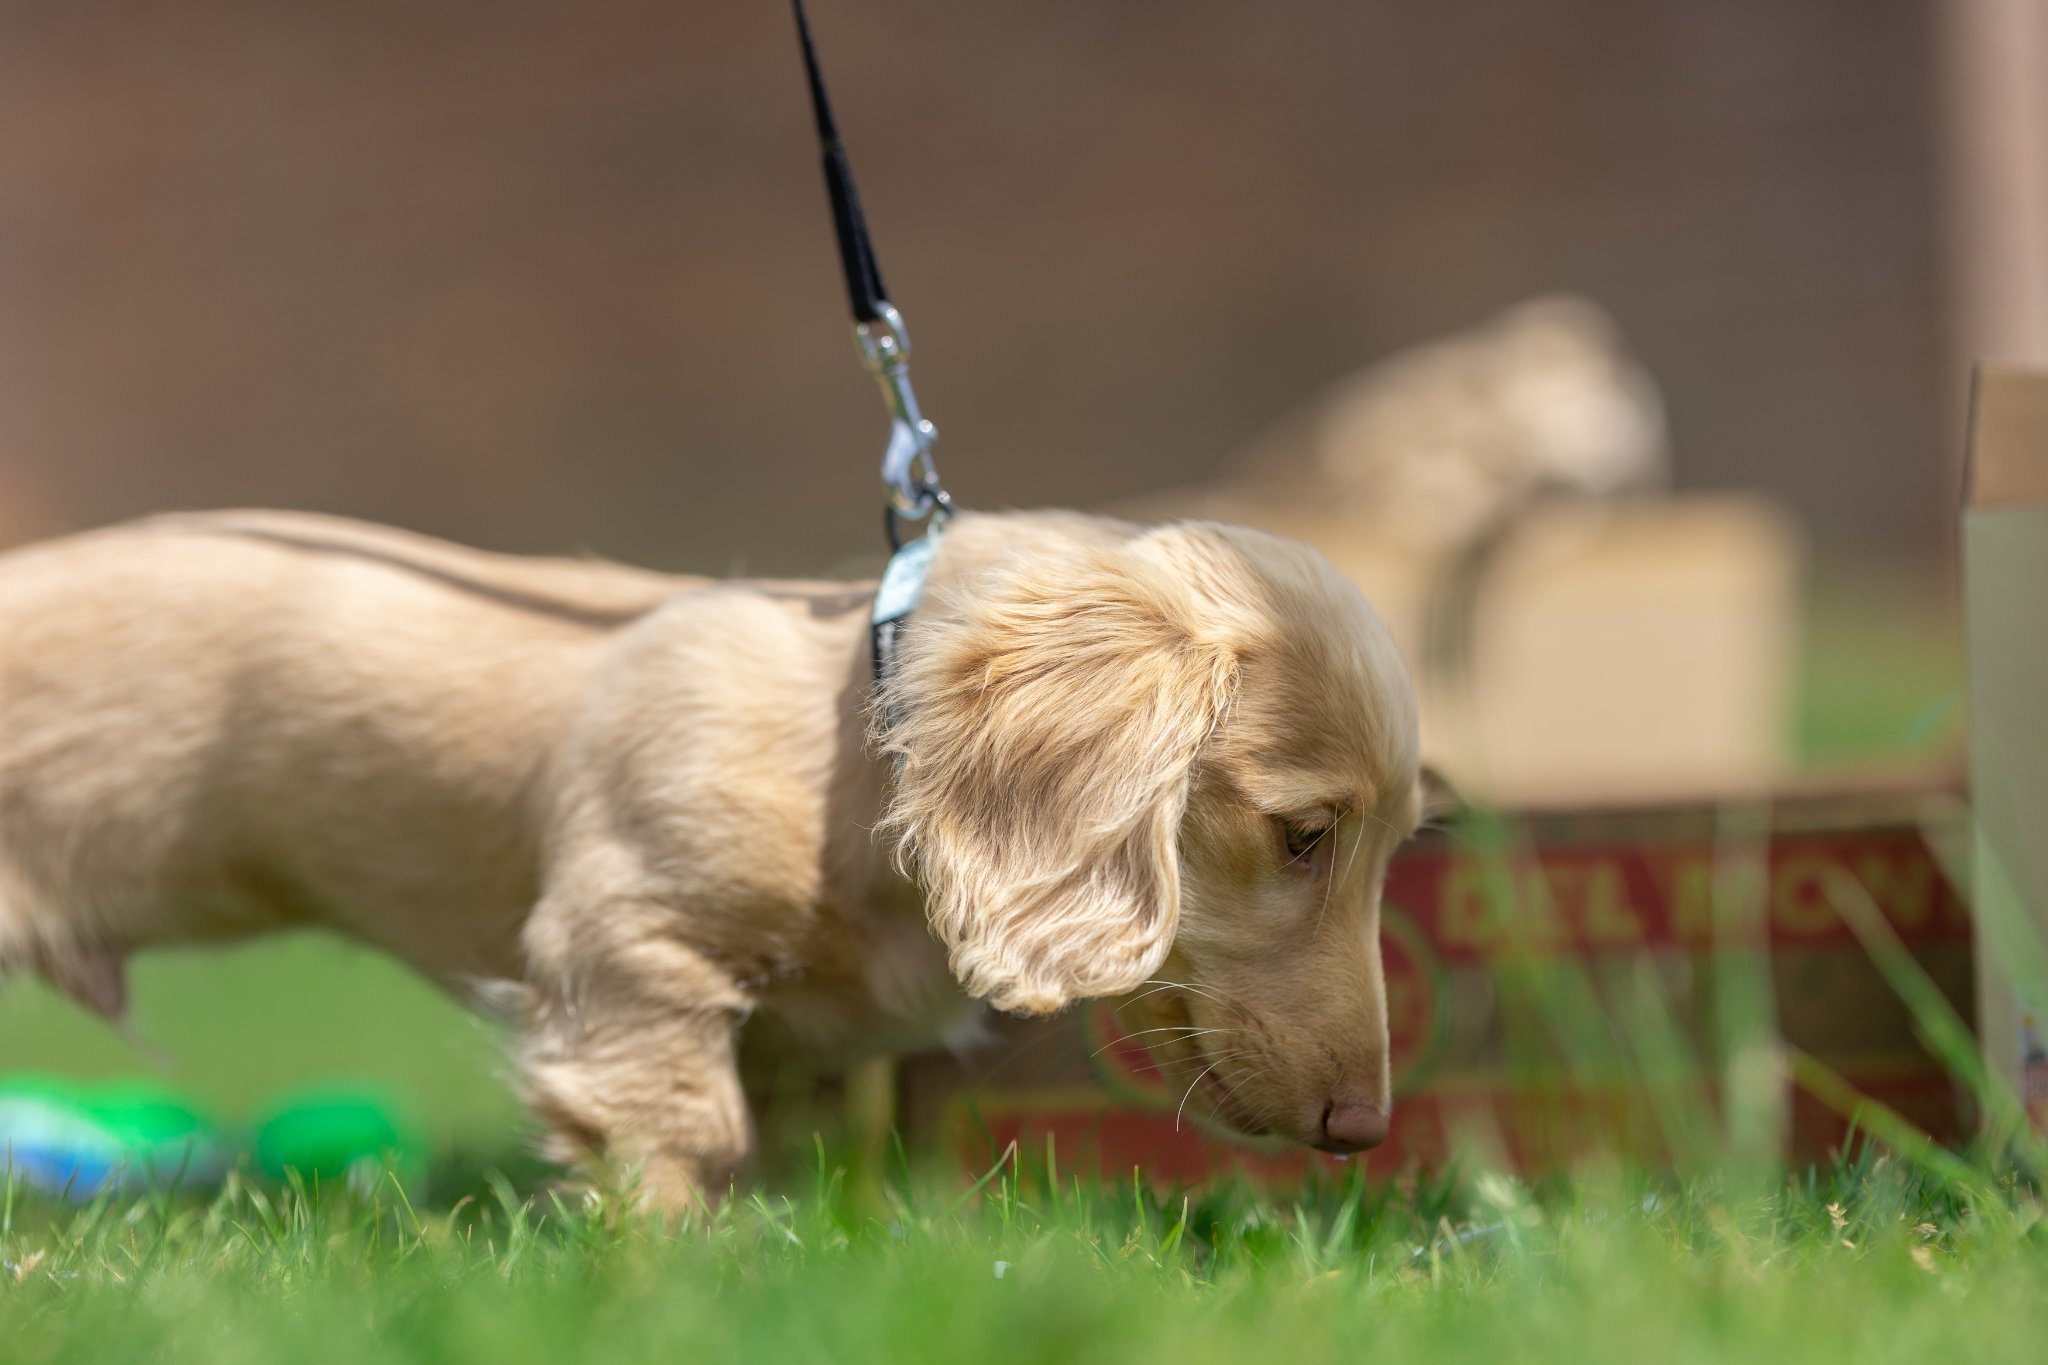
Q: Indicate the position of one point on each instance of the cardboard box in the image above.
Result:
(1597, 982)
(2005, 577)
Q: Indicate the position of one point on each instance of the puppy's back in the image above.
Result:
(214, 723)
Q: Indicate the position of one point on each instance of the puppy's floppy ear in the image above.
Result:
(1049, 714)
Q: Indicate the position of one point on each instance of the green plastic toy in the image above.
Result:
(77, 1140)
(335, 1134)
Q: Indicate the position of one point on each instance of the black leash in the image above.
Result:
(864, 286)
(909, 475)
(910, 479)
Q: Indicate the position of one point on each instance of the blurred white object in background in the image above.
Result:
(1451, 438)
(1578, 635)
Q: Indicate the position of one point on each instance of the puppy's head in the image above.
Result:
(1170, 766)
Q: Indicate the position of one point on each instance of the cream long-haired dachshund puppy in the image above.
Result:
(1115, 757)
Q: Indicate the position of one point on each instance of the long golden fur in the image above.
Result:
(1168, 765)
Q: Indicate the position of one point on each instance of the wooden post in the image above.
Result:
(2005, 586)
(1995, 93)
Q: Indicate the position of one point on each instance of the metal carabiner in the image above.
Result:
(910, 476)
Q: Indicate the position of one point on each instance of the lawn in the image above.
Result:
(1867, 1260)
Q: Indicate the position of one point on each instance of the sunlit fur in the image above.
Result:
(1099, 742)
(650, 816)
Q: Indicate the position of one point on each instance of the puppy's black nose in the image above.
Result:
(1352, 1126)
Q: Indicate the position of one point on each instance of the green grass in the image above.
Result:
(1870, 1260)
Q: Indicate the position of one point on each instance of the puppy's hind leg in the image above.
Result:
(629, 1056)
(95, 978)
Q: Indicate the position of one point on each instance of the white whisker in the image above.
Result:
(1336, 875)
(1382, 821)
(1178, 986)
(1188, 1031)
(1205, 1057)
(1242, 1080)
(1142, 996)
(1261, 1118)
(1191, 1090)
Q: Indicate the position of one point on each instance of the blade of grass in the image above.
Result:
(1884, 1123)
(1944, 1031)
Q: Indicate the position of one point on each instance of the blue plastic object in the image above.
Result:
(76, 1140)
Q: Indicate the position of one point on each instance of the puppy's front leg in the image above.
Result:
(629, 1057)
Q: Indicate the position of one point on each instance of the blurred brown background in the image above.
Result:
(549, 277)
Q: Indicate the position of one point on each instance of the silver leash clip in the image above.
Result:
(910, 477)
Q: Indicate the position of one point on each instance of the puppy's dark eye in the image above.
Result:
(1301, 839)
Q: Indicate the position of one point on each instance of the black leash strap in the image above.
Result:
(856, 254)
(909, 477)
